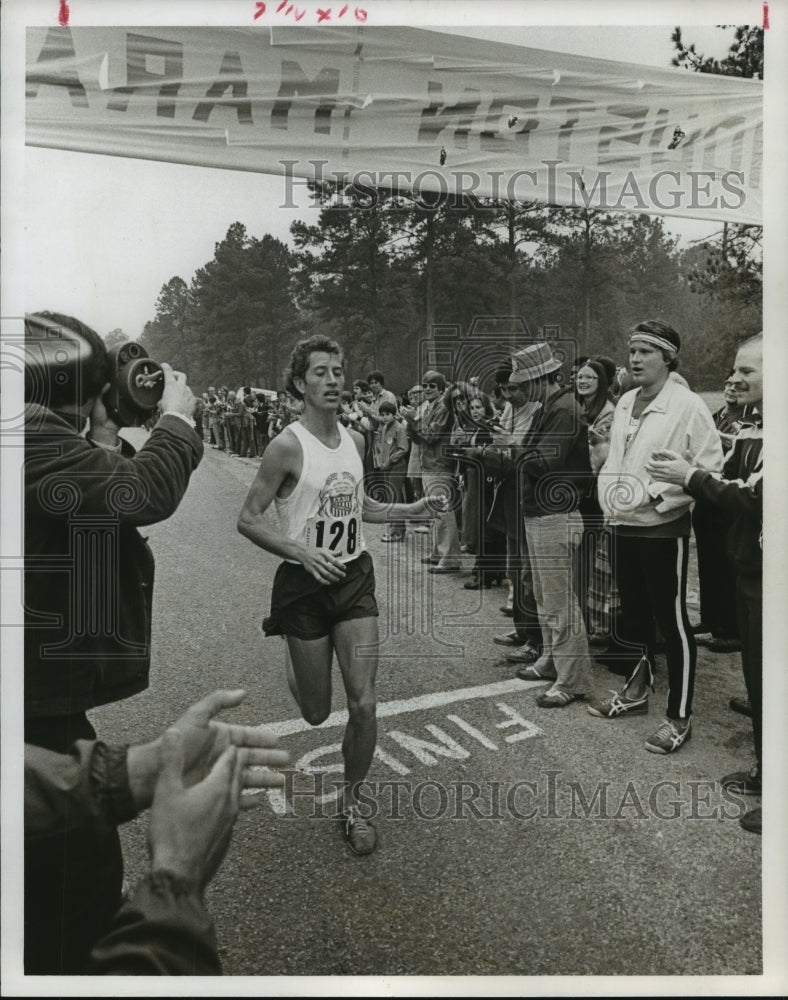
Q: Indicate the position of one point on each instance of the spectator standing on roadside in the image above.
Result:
(380, 394)
(261, 414)
(390, 451)
(413, 481)
(246, 406)
(650, 522)
(525, 640)
(554, 469)
(596, 591)
(716, 576)
(431, 429)
(739, 490)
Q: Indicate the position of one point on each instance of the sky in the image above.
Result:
(103, 234)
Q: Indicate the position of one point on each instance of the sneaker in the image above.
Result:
(741, 705)
(556, 698)
(743, 782)
(751, 821)
(670, 736)
(523, 654)
(724, 646)
(506, 610)
(359, 832)
(507, 639)
(611, 708)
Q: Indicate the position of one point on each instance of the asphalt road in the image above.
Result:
(513, 840)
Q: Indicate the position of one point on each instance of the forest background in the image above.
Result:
(379, 271)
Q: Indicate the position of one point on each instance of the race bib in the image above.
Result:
(340, 535)
(337, 524)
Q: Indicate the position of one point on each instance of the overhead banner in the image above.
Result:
(421, 112)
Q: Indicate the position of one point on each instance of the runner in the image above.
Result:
(323, 597)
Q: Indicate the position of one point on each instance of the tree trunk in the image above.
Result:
(429, 244)
(511, 251)
(588, 250)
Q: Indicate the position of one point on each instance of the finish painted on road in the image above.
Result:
(426, 752)
(421, 702)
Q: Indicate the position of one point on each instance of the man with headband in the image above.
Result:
(650, 522)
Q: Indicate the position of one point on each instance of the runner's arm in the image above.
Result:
(374, 512)
(282, 458)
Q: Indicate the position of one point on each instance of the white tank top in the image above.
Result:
(324, 509)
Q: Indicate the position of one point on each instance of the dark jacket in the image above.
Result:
(739, 492)
(551, 469)
(88, 571)
(555, 467)
(163, 929)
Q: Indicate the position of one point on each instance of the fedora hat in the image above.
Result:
(533, 362)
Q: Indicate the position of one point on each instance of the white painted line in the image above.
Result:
(437, 699)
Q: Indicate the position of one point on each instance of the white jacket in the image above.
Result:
(677, 419)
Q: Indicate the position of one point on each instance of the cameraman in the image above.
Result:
(88, 595)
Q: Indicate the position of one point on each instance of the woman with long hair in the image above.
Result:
(596, 588)
(474, 415)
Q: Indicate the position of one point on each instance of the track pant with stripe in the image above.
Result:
(651, 578)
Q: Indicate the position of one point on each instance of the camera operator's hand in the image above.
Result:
(177, 396)
(103, 429)
(190, 828)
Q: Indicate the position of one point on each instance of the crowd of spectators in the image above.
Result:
(242, 422)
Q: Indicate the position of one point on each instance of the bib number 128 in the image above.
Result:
(337, 536)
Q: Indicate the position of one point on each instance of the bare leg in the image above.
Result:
(359, 667)
(309, 676)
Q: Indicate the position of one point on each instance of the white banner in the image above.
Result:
(403, 108)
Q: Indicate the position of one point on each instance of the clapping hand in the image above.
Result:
(668, 467)
(190, 826)
(204, 740)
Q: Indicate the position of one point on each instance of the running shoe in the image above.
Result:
(671, 736)
(743, 782)
(359, 832)
(617, 704)
(752, 820)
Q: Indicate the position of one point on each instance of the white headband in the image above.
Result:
(652, 338)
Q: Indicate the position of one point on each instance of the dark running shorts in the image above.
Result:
(303, 607)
